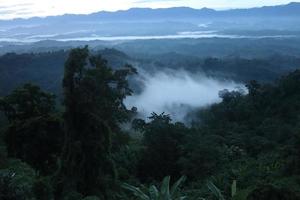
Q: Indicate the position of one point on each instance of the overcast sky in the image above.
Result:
(28, 8)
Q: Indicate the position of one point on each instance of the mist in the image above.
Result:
(177, 92)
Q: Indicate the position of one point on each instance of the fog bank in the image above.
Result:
(176, 93)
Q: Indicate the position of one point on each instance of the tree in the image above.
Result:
(34, 133)
(17, 181)
(93, 100)
(26, 102)
(162, 141)
(202, 155)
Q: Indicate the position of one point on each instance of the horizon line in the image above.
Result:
(124, 10)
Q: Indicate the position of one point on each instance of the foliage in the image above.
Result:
(162, 141)
(249, 142)
(165, 193)
(43, 189)
(202, 155)
(215, 191)
(34, 133)
(93, 100)
(17, 181)
(26, 102)
(126, 160)
(91, 198)
(266, 192)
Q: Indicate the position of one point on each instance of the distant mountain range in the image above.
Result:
(291, 9)
(176, 13)
(183, 21)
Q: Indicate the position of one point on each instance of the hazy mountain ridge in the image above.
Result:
(138, 14)
(163, 23)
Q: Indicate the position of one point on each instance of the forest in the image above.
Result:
(76, 140)
(46, 68)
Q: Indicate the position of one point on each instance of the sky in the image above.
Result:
(10, 9)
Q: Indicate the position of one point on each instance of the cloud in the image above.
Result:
(16, 6)
(177, 92)
(6, 12)
(16, 10)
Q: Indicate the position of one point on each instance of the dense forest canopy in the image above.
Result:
(171, 103)
(246, 147)
(46, 69)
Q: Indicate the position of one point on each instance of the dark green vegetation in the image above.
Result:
(43, 69)
(46, 69)
(246, 147)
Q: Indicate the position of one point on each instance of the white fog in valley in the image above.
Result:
(177, 92)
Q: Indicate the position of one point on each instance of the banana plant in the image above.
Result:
(215, 190)
(153, 193)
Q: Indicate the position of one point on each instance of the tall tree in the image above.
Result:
(93, 99)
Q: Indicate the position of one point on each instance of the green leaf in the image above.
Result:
(215, 191)
(233, 188)
(165, 188)
(154, 193)
(176, 185)
(136, 191)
